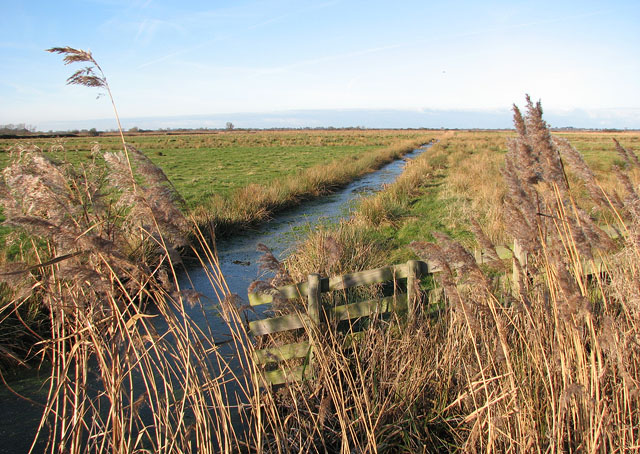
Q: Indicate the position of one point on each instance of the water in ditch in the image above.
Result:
(238, 255)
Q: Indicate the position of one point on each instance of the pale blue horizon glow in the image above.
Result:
(198, 58)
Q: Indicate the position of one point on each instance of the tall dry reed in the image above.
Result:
(130, 371)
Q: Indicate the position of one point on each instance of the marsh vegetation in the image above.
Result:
(543, 360)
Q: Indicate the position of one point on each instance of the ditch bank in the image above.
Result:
(255, 204)
(238, 254)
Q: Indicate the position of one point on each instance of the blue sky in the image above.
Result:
(211, 60)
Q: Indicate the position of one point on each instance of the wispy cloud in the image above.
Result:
(23, 89)
(197, 17)
(297, 12)
(149, 28)
(324, 59)
(257, 72)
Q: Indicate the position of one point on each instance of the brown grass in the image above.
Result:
(548, 365)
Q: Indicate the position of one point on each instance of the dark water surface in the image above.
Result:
(238, 257)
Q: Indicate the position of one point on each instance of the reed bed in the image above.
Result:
(545, 362)
(129, 370)
(98, 251)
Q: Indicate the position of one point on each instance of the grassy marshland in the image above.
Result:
(92, 287)
(217, 163)
(548, 366)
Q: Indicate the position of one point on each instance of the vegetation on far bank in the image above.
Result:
(239, 177)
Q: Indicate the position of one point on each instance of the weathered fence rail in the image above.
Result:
(316, 315)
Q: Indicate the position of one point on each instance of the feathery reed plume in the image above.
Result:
(518, 121)
(627, 154)
(101, 274)
(548, 366)
(483, 240)
(631, 205)
(130, 371)
(523, 156)
(433, 252)
(540, 140)
(269, 262)
(582, 170)
(89, 76)
(333, 250)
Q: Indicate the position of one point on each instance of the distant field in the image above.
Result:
(201, 165)
(463, 181)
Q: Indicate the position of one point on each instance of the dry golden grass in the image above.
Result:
(257, 202)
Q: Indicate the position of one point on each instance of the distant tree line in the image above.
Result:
(17, 129)
(22, 130)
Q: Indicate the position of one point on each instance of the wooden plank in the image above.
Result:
(353, 338)
(379, 275)
(280, 376)
(376, 276)
(367, 277)
(277, 324)
(313, 299)
(287, 292)
(519, 271)
(611, 231)
(365, 308)
(281, 353)
(256, 299)
(482, 256)
(595, 266)
(313, 312)
(413, 282)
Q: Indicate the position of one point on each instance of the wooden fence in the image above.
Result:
(317, 316)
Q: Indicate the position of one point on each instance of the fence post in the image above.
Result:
(520, 256)
(413, 279)
(313, 312)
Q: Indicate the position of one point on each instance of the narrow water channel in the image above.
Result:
(238, 257)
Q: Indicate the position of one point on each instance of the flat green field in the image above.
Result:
(201, 165)
(464, 182)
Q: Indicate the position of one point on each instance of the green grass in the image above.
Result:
(203, 165)
(460, 179)
(199, 174)
(598, 147)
